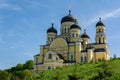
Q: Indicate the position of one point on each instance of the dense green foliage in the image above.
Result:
(19, 72)
(103, 70)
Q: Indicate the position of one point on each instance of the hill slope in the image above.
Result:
(104, 70)
(107, 70)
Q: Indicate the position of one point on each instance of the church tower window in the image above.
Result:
(49, 67)
(71, 57)
(99, 40)
(72, 35)
(36, 60)
(81, 59)
(65, 30)
(50, 56)
(85, 59)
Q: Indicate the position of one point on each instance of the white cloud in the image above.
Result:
(5, 5)
(104, 16)
(112, 14)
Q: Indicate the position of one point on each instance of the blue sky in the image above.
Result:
(23, 24)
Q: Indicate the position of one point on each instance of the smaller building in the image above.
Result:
(70, 46)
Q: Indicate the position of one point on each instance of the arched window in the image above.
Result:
(52, 38)
(71, 57)
(66, 39)
(99, 30)
(49, 67)
(50, 56)
(81, 59)
(76, 35)
(36, 60)
(65, 30)
(85, 59)
(99, 40)
(72, 35)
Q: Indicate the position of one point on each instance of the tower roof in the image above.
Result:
(84, 35)
(68, 18)
(52, 29)
(100, 23)
(75, 26)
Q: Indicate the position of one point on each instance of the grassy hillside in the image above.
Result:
(104, 70)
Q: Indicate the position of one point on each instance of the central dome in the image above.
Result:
(68, 18)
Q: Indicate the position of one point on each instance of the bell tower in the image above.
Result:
(51, 34)
(100, 32)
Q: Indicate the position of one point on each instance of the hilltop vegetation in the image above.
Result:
(103, 70)
(19, 72)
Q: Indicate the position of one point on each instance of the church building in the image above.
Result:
(70, 46)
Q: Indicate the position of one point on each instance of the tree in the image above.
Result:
(114, 56)
(12, 69)
(28, 65)
(24, 74)
(19, 67)
(4, 75)
(104, 72)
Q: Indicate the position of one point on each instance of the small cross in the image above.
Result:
(100, 18)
